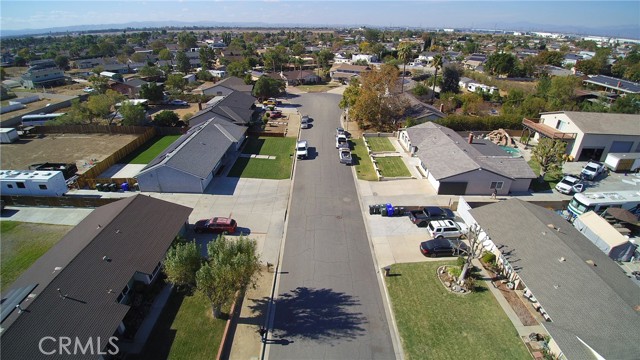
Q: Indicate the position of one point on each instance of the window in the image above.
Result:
(496, 185)
(10, 186)
(42, 187)
(20, 185)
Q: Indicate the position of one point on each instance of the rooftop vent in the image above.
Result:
(562, 259)
(591, 262)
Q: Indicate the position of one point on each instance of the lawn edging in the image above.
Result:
(226, 341)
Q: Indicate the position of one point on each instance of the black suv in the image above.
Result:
(442, 246)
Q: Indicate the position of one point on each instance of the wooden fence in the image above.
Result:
(91, 176)
(90, 129)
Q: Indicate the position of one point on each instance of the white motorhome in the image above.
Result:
(32, 183)
(598, 202)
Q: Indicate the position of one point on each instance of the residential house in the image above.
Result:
(88, 63)
(366, 57)
(130, 87)
(191, 162)
(89, 286)
(344, 72)
(571, 59)
(589, 305)
(474, 61)
(454, 165)
(225, 87)
(230, 55)
(300, 77)
(420, 111)
(117, 68)
(237, 107)
(341, 58)
(42, 73)
(612, 85)
(589, 136)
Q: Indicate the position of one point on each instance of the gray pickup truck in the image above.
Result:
(423, 216)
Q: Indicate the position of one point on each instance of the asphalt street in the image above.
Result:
(329, 304)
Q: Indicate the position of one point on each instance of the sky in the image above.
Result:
(31, 14)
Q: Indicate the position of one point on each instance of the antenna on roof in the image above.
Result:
(20, 309)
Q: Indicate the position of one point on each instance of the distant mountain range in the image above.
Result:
(623, 31)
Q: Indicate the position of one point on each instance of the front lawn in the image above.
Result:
(362, 161)
(392, 166)
(316, 88)
(436, 324)
(185, 330)
(22, 244)
(150, 150)
(550, 178)
(282, 148)
(380, 144)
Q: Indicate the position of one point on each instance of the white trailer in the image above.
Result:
(32, 183)
(623, 161)
(604, 236)
(8, 135)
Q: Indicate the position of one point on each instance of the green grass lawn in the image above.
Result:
(22, 244)
(380, 144)
(436, 324)
(185, 330)
(150, 150)
(278, 168)
(362, 161)
(550, 178)
(392, 166)
(316, 88)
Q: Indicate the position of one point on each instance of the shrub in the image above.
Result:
(460, 261)
(454, 271)
(488, 257)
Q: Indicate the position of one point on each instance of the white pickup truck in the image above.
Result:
(569, 185)
(592, 170)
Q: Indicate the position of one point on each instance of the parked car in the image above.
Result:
(592, 170)
(341, 141)
(423, 216)
(216, 225)
(446, 229)
(302, 149)
(274, 114)
(270, 101)
(88, 89)
(304, 122)
(443, 247)
(569, 185)
(178, 103)
(345, 156)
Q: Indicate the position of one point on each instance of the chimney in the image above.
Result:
(619, 83)
(441, 107)
(470, 138)
(199, 106)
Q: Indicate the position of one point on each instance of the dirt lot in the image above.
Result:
(83, 149)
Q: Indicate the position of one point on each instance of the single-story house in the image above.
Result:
(225, 87)
(130, 87)
(191, 162)
(588, 135)
(589, 305)
(454, 165)
(299, 77)
(237, 107)
(344, 72)
(613, 85)
(366, 57)
(89, 286)
(87, 63)
(571, 59)
(420, 111)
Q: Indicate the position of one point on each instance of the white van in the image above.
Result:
(446, 229)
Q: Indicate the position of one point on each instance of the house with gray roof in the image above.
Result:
(590, 306)
(90, 284)
(237, 107)
(613, 85)
(225, 87)
(589, 135)
(458, 166)
(191, 162)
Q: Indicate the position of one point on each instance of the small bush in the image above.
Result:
(460, 261)
(454, 271)
(488, 257)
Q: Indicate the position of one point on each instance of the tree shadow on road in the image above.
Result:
(317, 314)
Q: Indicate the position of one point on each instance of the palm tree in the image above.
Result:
(437, 64)
(404, 54)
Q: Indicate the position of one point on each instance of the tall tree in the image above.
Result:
(436, 64)
(182, 62)
(549, 155)
(451, 80)
(182, 261)
(187, 40)
(152, 92)
(176, 82)
(627, 104)
(267, 87)
(132, 114)
(501, 64)
(232, 267)
(404, 54)
(207, 56)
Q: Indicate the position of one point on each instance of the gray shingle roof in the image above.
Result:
(620, 84)
(234, 83)
(603, 123)
(592, 303)
(237, 107)
(134, 233)
(207, 143)
(446, 154)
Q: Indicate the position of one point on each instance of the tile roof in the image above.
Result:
(446, 154)
(596, 305)
(134, 233)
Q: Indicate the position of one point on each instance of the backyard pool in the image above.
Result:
(511, 151)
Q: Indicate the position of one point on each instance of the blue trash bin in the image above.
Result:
(125, 186)
(389, 209)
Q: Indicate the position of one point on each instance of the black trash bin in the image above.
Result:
(383, 211)
(99, 187)
(113, 187)
(403, 212)
(396, 211)
(371, 209)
